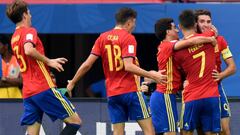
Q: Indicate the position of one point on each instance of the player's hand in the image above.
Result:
(70, 87)
(159, 77)
(144, 87)
(216, 75)
(149, 80)
(57, 63)
(215, 30)
(214, 41)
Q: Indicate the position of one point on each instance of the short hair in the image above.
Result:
(199, 12)
(187, 19)
(124, 14)
(161, 27)
(16, 9)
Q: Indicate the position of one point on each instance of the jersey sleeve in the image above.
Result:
(129, 47)
(171, 45)
(225, 51)
(208, 33)
(30, 36)
(96, 48)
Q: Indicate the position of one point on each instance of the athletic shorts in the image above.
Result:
(225, 109)
(204, 112)
(164, 112)
(51, 102)
(127, 106)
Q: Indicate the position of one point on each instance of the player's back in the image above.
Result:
(166, 62)
(113, 46)
(198, 62)
(35, 74)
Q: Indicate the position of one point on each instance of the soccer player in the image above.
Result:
(39, 92)
(201, 96)
(204, 21)
(163, 100)
(117, 48)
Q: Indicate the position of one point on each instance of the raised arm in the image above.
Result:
(194, 41)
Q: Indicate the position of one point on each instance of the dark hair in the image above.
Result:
(187, 19)
(161, 27)
(125, 14)
(16, 9)
(202, 12)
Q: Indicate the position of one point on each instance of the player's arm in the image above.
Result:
(131, 67)
(82, 70)
(194, 41)
(30, 50)
(229, 70)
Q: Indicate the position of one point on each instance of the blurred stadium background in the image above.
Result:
(69, 28)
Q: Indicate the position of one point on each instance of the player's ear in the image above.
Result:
(128, 22)
(167, 31)
(24, 16)
(195, 25)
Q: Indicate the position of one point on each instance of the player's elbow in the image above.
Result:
(28, 49)
(233, 69)
(86, 66)
(128, 67)
(28, 52)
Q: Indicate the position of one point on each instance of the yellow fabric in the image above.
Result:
(226, 53)
(10, 70)
(10, 92)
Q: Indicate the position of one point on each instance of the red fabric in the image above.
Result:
(34, 76)
(166, 61)
(199, 86)
(117, 43)
(222, 44)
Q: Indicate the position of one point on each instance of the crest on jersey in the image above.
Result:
(29, 36)
(130, 48)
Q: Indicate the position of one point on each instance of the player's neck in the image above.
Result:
(187, 33)
(120, 27)
(22, 24)
(169, 38)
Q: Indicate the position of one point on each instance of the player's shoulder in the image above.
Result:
(29, 29)
(221, 41)
(123, 33)
(165, 44)
(106, 33)
(220, 38)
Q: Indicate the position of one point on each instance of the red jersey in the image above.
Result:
(35, 74)
(198, 62)
(112, 46)
(221, 49)
(166, 61)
